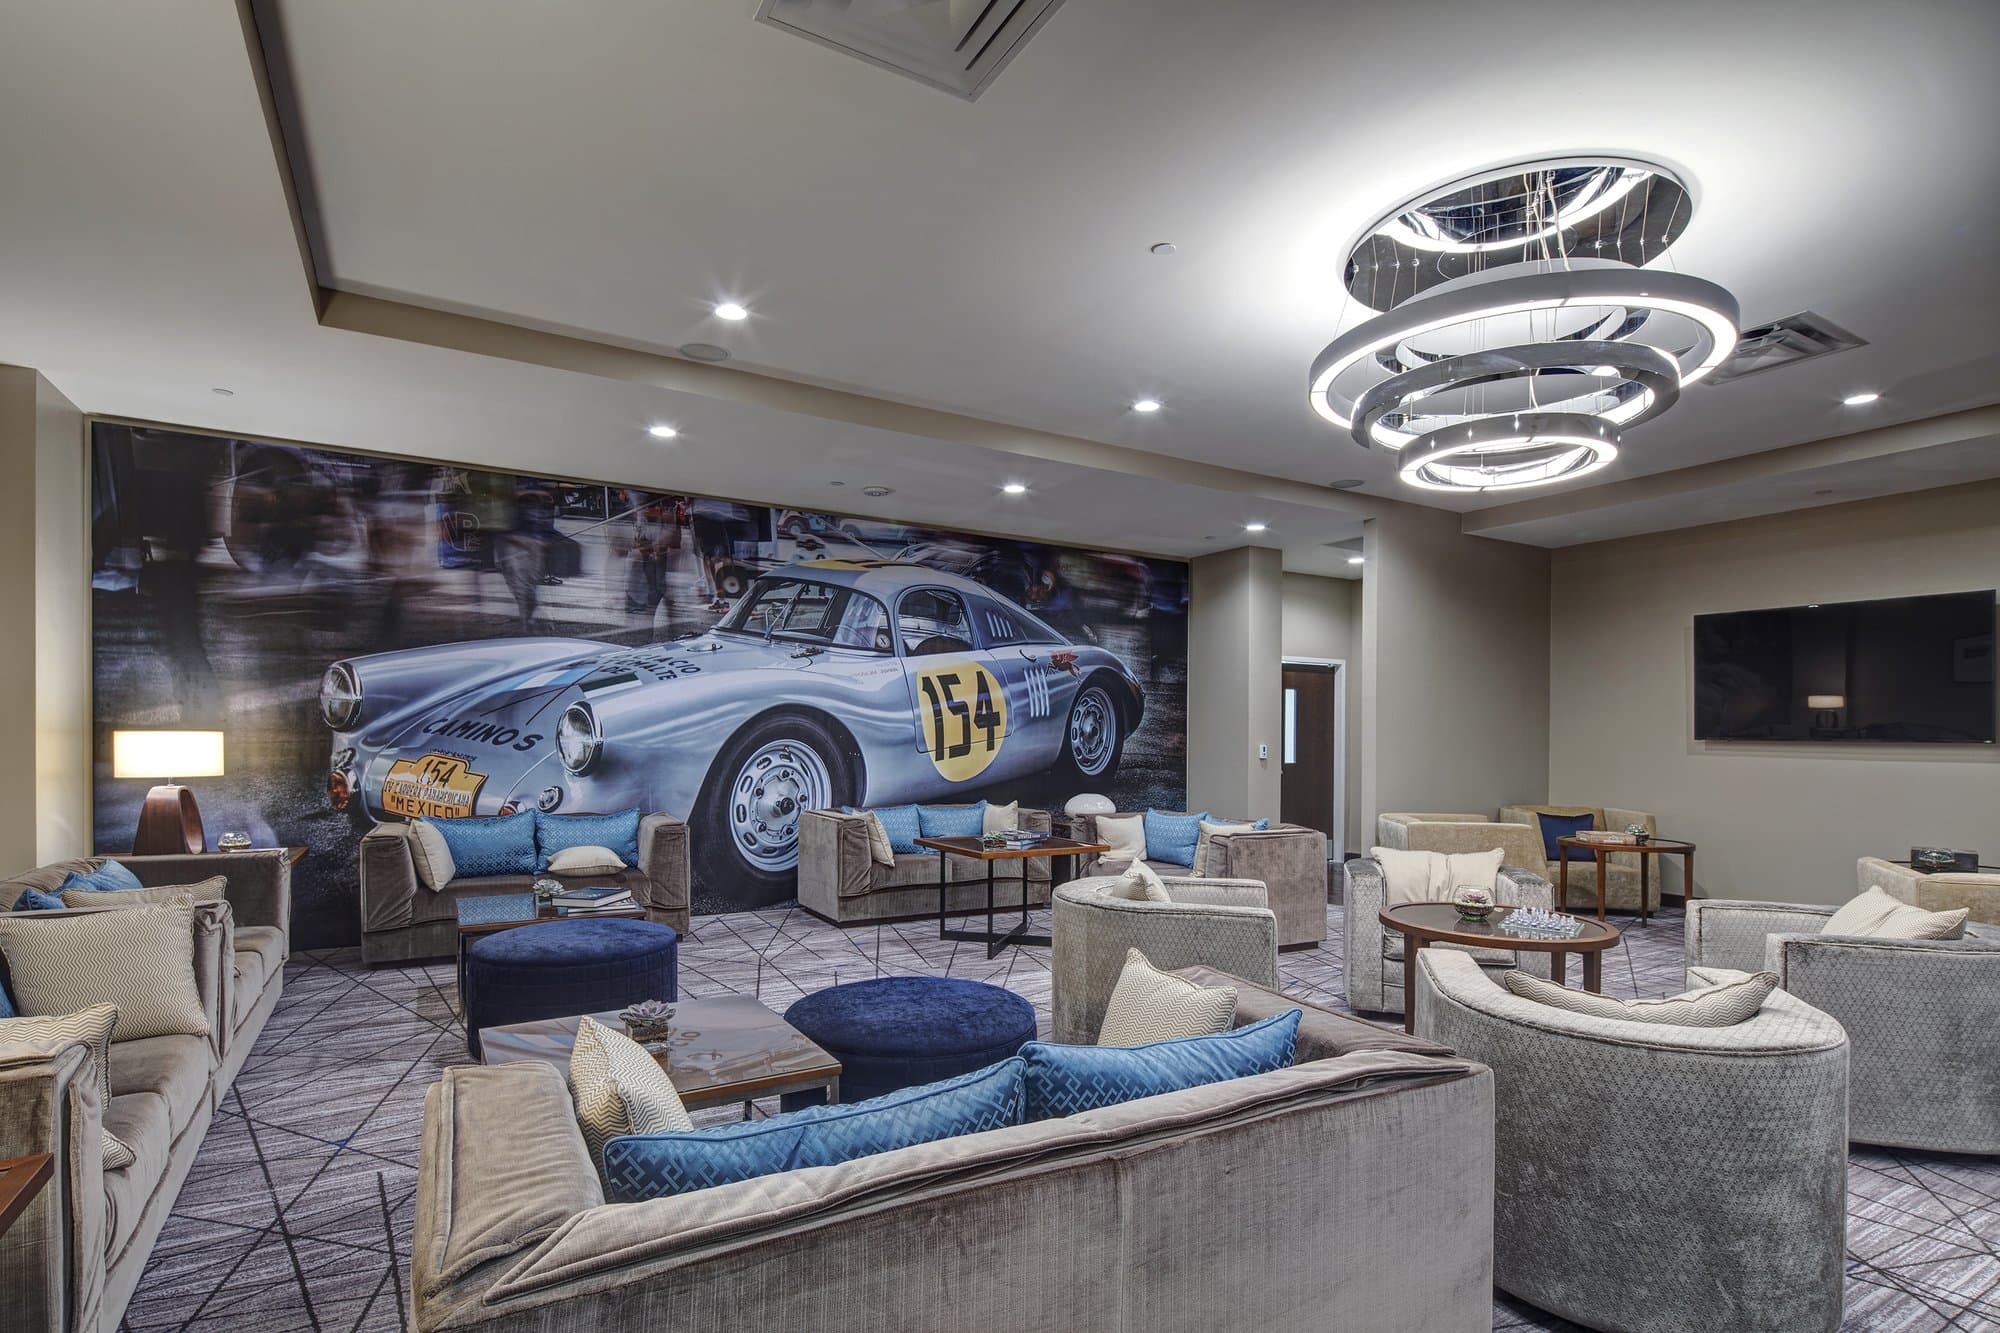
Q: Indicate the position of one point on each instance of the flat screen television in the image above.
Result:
(1908, 670)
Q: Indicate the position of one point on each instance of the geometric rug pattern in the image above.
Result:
(297, 1214)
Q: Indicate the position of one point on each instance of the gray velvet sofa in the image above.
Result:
(1288, 1203)
(1373, 955)
(72, 1261)
(1652, 1177)
(840, 882)
(1922, 1016)
(1287, 859)
(401, 920)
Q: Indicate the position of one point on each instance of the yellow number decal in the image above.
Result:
(963, 714)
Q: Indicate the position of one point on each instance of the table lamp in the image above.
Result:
(169, 822)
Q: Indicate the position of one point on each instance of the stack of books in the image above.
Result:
(606, 898)
(1015, 838)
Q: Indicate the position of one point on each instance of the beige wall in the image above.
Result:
(1454, 671)
(44, 600)
(1321, 618)
(1234, 703)
(1773, 821)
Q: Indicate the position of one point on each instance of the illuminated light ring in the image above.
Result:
(1635, 363)
(1590, 444)
(1710, 307)
(1607, 327)
(1628, 178)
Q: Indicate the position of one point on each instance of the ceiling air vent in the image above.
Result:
(956, 45)
(1784, 342)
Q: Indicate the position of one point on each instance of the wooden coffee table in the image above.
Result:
(21, 1179)
(1439, 923)
(1645, 851)
(725, 1048)
(974, 850)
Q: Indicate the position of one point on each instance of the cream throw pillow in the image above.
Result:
(1000, 818)
(586, 860)
(1734, 999)
(431, 855)
(140, 959)
(1140, 883)
(1209, 828)
(880, 850)
(619, 1089)
(1125, 835)
(1431, 877)
(209, 890)
(92, 1027)
(1877, 915)
(1148, 1005)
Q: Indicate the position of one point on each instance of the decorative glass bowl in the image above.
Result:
(1472, 902)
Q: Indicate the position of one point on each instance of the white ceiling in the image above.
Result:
(618, 175)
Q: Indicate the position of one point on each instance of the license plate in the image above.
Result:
(438, 786)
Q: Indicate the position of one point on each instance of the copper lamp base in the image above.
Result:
(169, 823)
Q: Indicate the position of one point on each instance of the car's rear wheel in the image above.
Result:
(1095, 735)
(747, 825)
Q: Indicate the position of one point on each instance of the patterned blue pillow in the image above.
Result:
(1172, 837)
(1066, 1080)
(7, 1009)
(555, 833)
(651, 1166)
(1564, 826)
(904, 826)
(110, 875)
(481, 847)
(952, 821)
(34, 900)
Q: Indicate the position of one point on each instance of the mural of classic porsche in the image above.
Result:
(828, 683)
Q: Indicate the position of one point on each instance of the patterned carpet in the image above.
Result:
(298, 1212)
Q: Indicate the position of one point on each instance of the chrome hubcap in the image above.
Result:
(1093, 730)
(774, 785)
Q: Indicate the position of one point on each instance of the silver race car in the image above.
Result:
(828, 683)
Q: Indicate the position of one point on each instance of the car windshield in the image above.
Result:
(799, 611)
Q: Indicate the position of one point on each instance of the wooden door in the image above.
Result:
(1311, 735)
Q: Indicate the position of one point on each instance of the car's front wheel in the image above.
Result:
(746, 833)
(1095, 736)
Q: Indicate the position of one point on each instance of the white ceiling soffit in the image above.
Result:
(956, 45)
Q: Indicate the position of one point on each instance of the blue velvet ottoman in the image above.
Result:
(898, 1032)
(559, 968)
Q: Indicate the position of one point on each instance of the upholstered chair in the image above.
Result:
(1226, 924)
(1621, 869)
(1658, 1178)
(1923, 1015)
(1452, 833)
(1373, 954)
(1978, 893)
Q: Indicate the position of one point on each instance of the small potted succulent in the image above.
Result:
(1473, 903)
(648, 1020)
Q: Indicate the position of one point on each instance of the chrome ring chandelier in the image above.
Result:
(1520, 329)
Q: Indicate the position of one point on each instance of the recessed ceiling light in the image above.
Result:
(1253, 527)
(662, 431)
(704, 352)
(1346, 484)
(836, 483)
(1859, 399)
(223, 393)
(1357, 559)
(1826, 491)
(1015, 488)
(1163, 248)
(730, 310)
(1146, 405)
(877, 492)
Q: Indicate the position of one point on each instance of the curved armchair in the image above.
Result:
(1717, 1154)
(1223, 923)
(1373, 956)
(1923, 1015)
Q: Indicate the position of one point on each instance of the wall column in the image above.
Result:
(1235, 704)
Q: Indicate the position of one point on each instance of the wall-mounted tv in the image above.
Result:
(1908, 670)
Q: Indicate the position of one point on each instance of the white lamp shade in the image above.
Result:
(166, 754)
(1089, 803)
(1826, 701)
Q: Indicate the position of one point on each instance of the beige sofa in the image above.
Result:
(1621, 887)
(1979, 893)
(1290, 1202)
(401, 920)
(1520, 839)
(72, 1261)
(1289, 860)
(841, 882)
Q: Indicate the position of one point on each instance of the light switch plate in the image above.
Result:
(1263, 752)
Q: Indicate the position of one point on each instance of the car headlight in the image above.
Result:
(578, 739)
(340, 696)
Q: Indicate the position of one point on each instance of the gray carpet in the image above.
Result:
(298, 1212)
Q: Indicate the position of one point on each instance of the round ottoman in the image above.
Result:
(897, 1032)
(558, 968)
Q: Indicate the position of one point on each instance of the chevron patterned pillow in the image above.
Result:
(1148, 1005)
(140, 959)
(92, 1027)
(1725, 1004)
(619, 1089)
(209, 890)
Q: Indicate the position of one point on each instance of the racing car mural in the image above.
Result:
(829, 682)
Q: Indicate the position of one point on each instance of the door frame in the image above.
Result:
(1336, 843)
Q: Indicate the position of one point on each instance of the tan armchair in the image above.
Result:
(1979, 894)
(1520, 839)
(1621, 885)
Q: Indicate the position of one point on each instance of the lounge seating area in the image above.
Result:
(909, 666)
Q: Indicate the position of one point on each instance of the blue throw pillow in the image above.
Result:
(110, 875)
(952, 821)
(555, 833)
(7, 1009)
(497, 845)
(651, 1166)
(904, 826)
(1171, 837)
(1066, 1080)
(34, 900)
(1563, 826)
